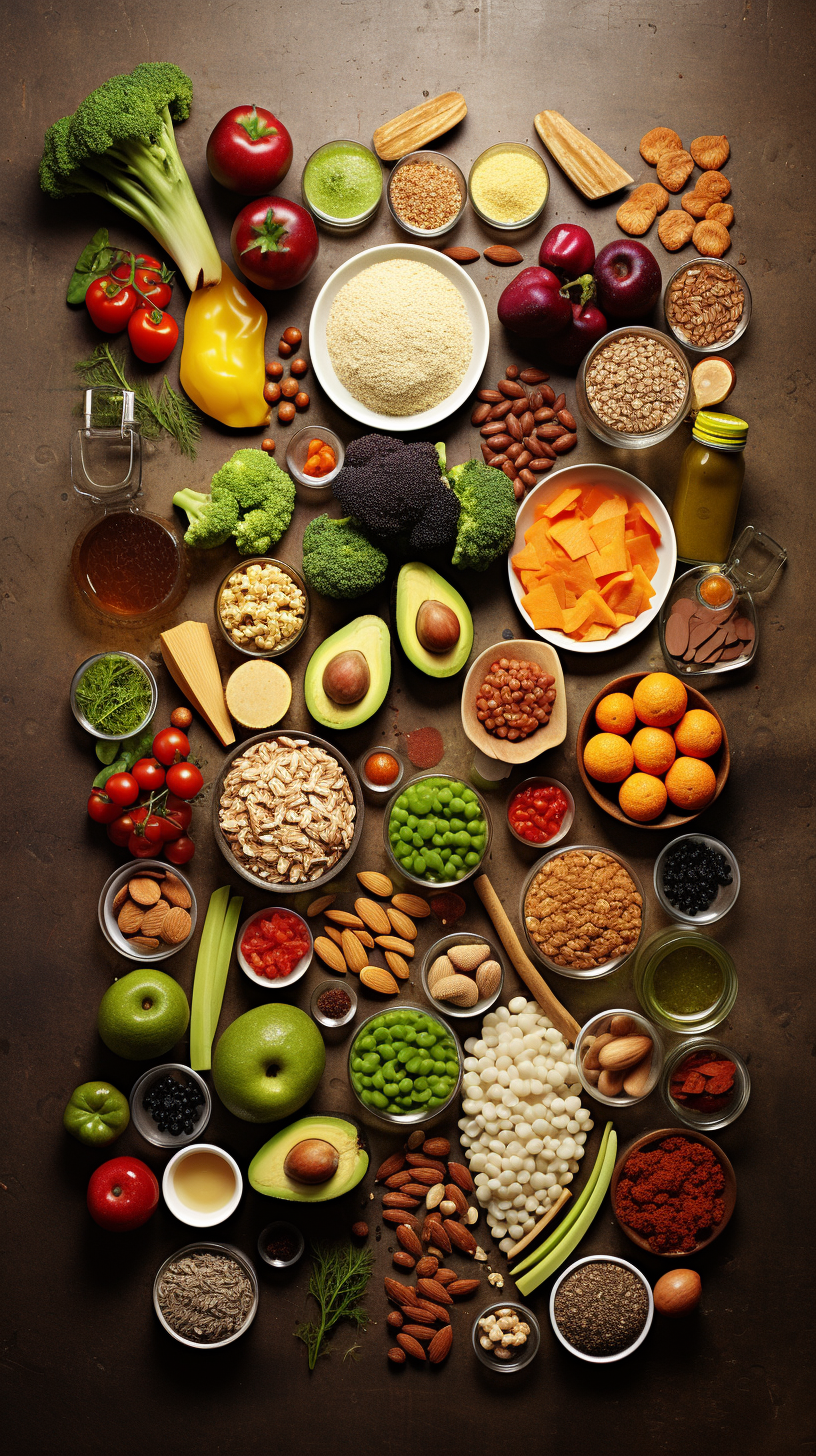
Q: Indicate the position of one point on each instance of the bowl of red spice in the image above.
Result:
(281, 1244)
(705, 1084)
(673, 1192)
(275, 947)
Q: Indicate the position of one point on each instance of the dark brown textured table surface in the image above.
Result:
(87, 1368)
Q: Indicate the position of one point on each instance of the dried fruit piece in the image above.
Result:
(375, 883)
(175, 926)
(373, 915)
(427, 1267)
(675, 230)
(364, 938)
(320, 904)
(429, 1170)
(143, 891)
(451, 907)
(440, 1345)
(721, 212)
(713, 185)
(710, 152)
(711, 239)
(394, 1319)
(439, 1312)
(414, 1140)
(119, 899)
(434, 1196)
(397, 1216)
(401, 924)
(392, 1165)
(696, 204)
(377, 979)
(657, 141)
(461, 255)
(415, 1190)
(636, 215)
(418, 1332)
(454, 1195)
(418, 1314)
(652, 192)
(434, 1235)
(330, 954)
(712, 380)
(674, 169)
(334, 934)
(145, 942)
(411, 905)
(397, 1180)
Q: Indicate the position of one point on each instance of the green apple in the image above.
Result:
(96, 1113)
(143, 1015)
(268, 1063)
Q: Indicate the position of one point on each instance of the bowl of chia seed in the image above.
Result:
(601, 1308)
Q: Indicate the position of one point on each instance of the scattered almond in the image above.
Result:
(440, 1346)
(468, 956)
(376, 979)
(461, 990)
(401, 924)
(334, 934)
(411, 905)
(393, 942)
(461, 255)
(364, 938)
(345, 918)
(375, 883)
(330, 955)
(353, 953)
(436, 1147)
(320, 904)
(373, 915)
(503, 255)
(397, 965)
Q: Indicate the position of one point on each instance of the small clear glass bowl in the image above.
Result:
(280, 1226)
(609, 966)
(297, 451)
(650, 956)
(596, 1026)
(331, 1023)
(566, 822)
(80, 716)
(619, 1354)
(441, 161)
(447, 1008)
(287, 570)
(408, 1120)
(704, 350)
(522, 1354)
(274, 983)
(340, 224)
(379, 793)
(203, 1247)
(706, 1121)
(143, 1122)
(726, 896)
(621, 439)
(524, 221)
(436, 885)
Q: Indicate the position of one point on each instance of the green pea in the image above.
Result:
(366, 1043)
(469, 796)
(436, 1101)
(356, 1064)
(463, 840)
(436, 804)
(444, 794)
(406, 834)
(378, 1081)
(371, 1063)
(405, 1055)
(381, 1033)
(457, 805)
(433, 861)
(439, 1068)
(421, 1097)
(378, 1100)
(390, 1089)
(421, 1084)
(419, 864)
(472, 811)
(424, 1039)
(426, 1066)
(444, 1087)
(457, 861)
(413, 1066)
(400, 814)
(367, 1081)
(406, 1086)
(452, 1068)
(437, 841)
(426, 828)
(449, 872)
(456, 825)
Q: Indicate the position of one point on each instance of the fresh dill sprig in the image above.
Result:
(114, 695)
(340, 1275)
(156, 410)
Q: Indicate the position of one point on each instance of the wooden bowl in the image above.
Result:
(549, 736)
(729, 1195)
(606, 795)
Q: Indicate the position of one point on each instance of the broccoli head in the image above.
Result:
(250, 481)
(396, 491)
(339, 561)
(255, 479)
(213, 518)
(487, 520)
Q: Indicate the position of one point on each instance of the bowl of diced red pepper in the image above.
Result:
(705, 1084)
(275, 947)
(540, 811)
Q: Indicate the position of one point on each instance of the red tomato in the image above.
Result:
(153, 335)
(147, 825)
(142, 848)
(123, 789)
(152, 281)
(122, 1194)
(185, 780)
(170, 827)
(101, 809)
(142, 260)
(179, 809)
(110, 304)
(274, 242)
(249, 151)
(120, 830)
(180, 851)
(170, 745)
(148, 774)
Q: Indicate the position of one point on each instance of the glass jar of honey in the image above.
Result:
(709, 487)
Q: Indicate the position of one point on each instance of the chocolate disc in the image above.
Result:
(732, 652)
(711, 649)
(744, 629)
(683, 607)
(700, 633)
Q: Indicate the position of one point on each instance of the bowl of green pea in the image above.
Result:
(405, 1067)
(436, 830)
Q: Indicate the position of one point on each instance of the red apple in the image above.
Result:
(588, 326)
(533, 306)
(122, 1194)
(249, 151)
(567, 249)
(274, 242)
(628, 279)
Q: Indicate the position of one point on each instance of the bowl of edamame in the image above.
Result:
(405, 1066)
(436, 831)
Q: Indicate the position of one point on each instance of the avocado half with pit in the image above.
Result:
(433, 622)
(348, 674)
(311, 1161)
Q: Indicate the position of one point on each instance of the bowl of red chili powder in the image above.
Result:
(673, 1192)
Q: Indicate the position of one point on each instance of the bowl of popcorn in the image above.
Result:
(506, 1336)
(262, 607)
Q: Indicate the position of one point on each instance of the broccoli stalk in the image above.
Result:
(250, 481)
(487, 519)
(120, 145)
(339, 561)
(212, 519)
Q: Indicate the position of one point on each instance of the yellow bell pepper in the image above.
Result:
(222, 359)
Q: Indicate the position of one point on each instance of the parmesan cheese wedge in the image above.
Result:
(190, 659)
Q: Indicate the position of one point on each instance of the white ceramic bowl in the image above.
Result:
(619, 1354)
(192, 1216)
(616, 480)
(107, 917)
(278, 982)
(324, 369)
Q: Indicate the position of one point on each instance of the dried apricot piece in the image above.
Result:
(710, 152)
(696, 204)
(674, 169)
(713, 185)
(652, 192)
(711, 239)
(636, 215)
(660, 139)
(721, 212)
(675, 230)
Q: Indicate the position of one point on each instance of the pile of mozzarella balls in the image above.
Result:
(524, 1128)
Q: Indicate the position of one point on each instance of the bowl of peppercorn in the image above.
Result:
(281, 1244)
(170, 1105)
(696, 879)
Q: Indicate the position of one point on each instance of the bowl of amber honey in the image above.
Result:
(202, 1185)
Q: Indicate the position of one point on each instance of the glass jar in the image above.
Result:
(685, 981)
(709, 487)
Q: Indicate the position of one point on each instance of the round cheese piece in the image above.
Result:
(258, 694)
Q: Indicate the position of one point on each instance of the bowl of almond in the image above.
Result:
(463, 975)
(619, 1057)
(147, 912)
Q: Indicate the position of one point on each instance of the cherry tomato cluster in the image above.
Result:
(158, 824)
(133, 296)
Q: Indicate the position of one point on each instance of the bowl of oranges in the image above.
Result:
(652, 751)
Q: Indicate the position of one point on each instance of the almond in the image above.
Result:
(439, 971)
(176, 926)
(373, 915)
(397, 1199)
(419, 1315)
(433, 1290)
(399, 1293)
(438, 1311)
(443, 1276)
(353, 952)
(397, 965)
(488, 978)
(399, 1216)
(154, 918)
(145, 942)
(334, 934)
(610, 1083)
(174, 891)
(461, 1288)
(321, 903)
(393, 942)
(460, 1175)
(434, 1236)
(418, 1332)
(460, 1236)
(454, 1194)
(375, 883)
(130, 918)
(461, 255)
(623, 1052)
(415, 1190)
(421, 1160)
(428, 1176)
(396, 1356)
(414, 1140)
(468, 957)
(503, 255)
(402, 1260)
(461, 990)
(636, 1079)
(409, 1241)
(364, 938)
(394, 1319)
(376, 979)
(392, 1165)
(590, 1061)
(623, 1026)
(119, 899)
(143, 891)
(440, 1345)
(411, 905)
(345, 918)
(427, 1267)
(436, 1147)
(410, 1346)
(330, 954)
(401, 924)
(434, 1196)
(397, 1180)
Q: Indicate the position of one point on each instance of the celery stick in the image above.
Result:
(531, 1280)
(574, 1213)
(200, 1040)
(222, 963)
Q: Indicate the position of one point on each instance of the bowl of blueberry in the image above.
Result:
(696, 879)
(170, 1105)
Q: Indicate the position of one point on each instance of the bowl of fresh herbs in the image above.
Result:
(113, 695)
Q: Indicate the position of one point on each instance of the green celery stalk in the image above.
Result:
(200, 1038)
(222, 965)
(569, 1219)
(545, 1267)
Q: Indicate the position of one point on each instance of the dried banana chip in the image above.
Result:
(674, 169)
(710, 152)
(660, 139)
(675, 230)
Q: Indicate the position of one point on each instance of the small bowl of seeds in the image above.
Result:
(601, 1308)
(206, 1295)
(427, 194)
(634, 387)
(506, 1336)
(707, 304)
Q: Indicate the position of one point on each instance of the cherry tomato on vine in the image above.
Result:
(120, 830)
(184, 780)
(141, 847)
(180, 851)
(148, 774)
(110, 304)
(170, 828)
(101, 809)
(147, 823)
(179, 809)
(170, 745)
(143, 260)
(123, 789)
(153, 334)
(152, 280)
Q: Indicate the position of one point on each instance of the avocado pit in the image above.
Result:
(437, 627)
(311, 1161)
(346, 677)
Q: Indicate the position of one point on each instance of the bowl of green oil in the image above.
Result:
(684, 980)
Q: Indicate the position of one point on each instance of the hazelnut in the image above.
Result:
(289, 388)
(268, 445)
(301, 400)
(286, 412)
(274, 369)
(292, 337)
(181, 717)
(360, 1230)
(284, 349)
(298, 367)
(272, 392)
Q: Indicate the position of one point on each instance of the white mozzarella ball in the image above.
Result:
(483, 1195)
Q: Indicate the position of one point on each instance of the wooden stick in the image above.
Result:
(533, 980)
(542, 1224)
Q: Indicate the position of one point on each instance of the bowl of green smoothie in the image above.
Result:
(342, 184)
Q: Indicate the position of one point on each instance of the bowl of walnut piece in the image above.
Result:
(262, 607)
(582, 910)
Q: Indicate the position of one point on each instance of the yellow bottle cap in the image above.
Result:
(725, 432)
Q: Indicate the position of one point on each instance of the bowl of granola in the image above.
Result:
(262, 607)
(582, 910)
(287, 811)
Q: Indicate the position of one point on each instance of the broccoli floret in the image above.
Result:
(254, 478)
(213, 518)
(339, 561)
(487, 521)
(120, 144)
(396, 491)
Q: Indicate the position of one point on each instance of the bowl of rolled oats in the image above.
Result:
(287, 811)
(262, 607)
(634, 387)
(582, 910)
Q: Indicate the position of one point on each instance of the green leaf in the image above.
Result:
(107, 752)
(139, 745)
(269, 236)
(118, 766)
(256, 129)
(93, 262)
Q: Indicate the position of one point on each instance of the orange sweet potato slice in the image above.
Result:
(526, 559)
(543, 608)
(575, 617)
(642, 553)
(596, 633)
(562, 502)
(573, 535)
(607, 532)
(608, 561)
(530, 579)
(559, 586)
(578, 576)
(609, 509)
(623, 617)
(640, 510)
(641, 579)
(593, 497)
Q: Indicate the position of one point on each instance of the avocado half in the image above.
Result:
(267, 1174)
(418, 583)
(368, 635)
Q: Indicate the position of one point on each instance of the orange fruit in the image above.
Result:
(615, 713)
(660, 699)
(698, 734)
(642, 797)
(654, 750)
(608, 758)
(690, 783)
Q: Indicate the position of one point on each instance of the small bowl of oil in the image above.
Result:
(202, 1185)
(685, 981)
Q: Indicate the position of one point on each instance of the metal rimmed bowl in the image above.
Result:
(340, 224)
(726, 896)
(617, 1354)
(397, 865)
(623, 439)
(287, 570)
(107, 915)
(705, 349)
(80, 716)
(194, 1217)
(281, 1227)
(596, 1026)
(520, 148)
(729, 1194)
(526, 1352)
(566, 822)
(354, 783)
(609, 966)
(333, 1023)
(447, 1008)
(274, 983)
(378, 1117)
(441, 161)
(706, 1121)
(313, 487)
(379, 793)
(204, 1247)
(143, 1122)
